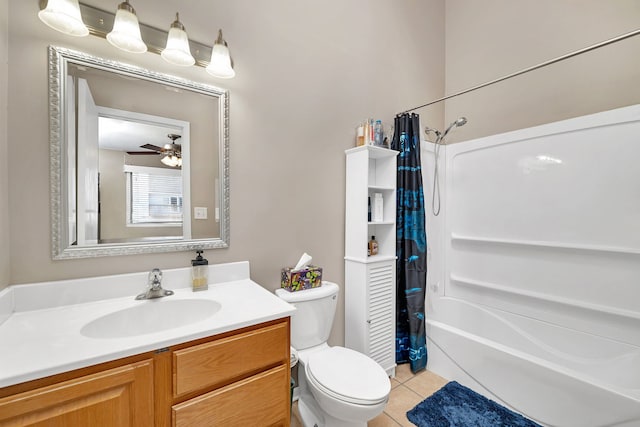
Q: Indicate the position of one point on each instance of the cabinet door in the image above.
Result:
(260, 400)
(381, 309)
(117, 397)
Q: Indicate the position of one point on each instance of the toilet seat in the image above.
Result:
(349, 376)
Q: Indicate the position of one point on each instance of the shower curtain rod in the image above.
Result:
(535, 67)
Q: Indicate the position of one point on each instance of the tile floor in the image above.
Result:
(407, 390)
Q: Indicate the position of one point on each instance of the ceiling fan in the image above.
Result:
(169, 149)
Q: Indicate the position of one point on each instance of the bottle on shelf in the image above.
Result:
(373, 246)
(360, 135)
(372, 132)
(378, 134)
(377, 215)
(367, 133)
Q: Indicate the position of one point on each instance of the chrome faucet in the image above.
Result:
(155, 286)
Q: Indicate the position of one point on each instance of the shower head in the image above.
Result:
(460, 122)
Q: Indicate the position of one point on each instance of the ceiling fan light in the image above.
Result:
(64, 16)
(125, 34)
(220, 64)
(170, 160)
(177, 51)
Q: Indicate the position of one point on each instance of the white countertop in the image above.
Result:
(39, 340)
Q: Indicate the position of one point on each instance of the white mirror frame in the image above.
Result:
(60, 248)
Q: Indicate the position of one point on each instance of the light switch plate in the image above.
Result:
(200, 213)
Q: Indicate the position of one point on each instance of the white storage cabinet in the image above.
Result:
(370, 281)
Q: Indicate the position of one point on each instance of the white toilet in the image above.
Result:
(337, 386)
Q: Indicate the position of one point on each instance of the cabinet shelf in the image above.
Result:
(374, 152)
(381, 188)
(381, 223)
(372, 259)
(370, 171)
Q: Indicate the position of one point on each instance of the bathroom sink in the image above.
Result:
(150, 316)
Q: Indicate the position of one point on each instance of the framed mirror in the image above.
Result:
(139, 159)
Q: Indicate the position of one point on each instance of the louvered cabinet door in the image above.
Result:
(381, 308)
(370, 310)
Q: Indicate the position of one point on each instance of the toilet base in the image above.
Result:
(312, 416)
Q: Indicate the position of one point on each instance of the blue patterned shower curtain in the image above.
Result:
(411, 245)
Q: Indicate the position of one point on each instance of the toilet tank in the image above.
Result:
(315, 310)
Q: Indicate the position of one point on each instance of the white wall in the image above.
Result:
(307, 73)
(489, 39)
(4, 170)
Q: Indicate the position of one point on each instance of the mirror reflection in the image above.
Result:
(141, 185)
(142, 163)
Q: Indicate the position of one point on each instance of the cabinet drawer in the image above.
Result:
(228, 359)
(260, 400)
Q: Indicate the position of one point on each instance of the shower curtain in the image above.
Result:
(411, 245)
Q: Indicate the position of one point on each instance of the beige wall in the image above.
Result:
(307, 73)
(4, 165)
(492, 38)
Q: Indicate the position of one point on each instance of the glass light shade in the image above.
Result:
(171, 160)
(126, 31)
(177, 51)
(64, 16)
(220, 64)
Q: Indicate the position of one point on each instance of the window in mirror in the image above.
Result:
(154, 197)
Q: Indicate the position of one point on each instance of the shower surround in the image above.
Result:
(533, 292)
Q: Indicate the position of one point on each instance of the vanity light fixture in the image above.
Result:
(64, 16)
(221, 64)
(125, 34)
(177, 51)
(124, 31)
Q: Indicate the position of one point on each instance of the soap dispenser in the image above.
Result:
(199, 273)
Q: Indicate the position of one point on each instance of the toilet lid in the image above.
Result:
(349, 375)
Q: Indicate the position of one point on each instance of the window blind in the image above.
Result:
(154, 196)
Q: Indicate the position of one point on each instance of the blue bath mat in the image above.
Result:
(455, 405)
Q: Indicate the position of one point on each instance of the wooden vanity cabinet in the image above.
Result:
(239, 378)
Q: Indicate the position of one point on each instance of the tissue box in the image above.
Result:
(307, 278)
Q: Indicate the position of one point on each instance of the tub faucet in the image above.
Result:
(155, 286)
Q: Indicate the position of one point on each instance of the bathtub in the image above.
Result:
(497, 357)
(533, 295)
